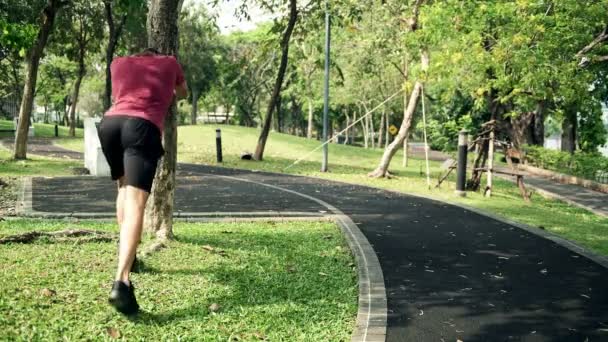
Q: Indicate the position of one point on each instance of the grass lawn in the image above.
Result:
(35, 165)
(45, 130)
(280, 282)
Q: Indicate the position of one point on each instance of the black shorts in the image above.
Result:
(132, 147)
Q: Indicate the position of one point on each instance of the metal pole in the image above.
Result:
(326, 96)
(461, 172)
(218, 144)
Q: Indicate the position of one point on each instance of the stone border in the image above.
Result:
(372, 315)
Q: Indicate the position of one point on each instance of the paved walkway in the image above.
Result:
(449, 273)
(594, 201)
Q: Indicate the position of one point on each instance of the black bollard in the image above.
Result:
(461, 172)
(56, 131)
(218, 144)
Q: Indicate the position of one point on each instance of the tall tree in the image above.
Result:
(163, 34)
(84, 30)
(276, 92)
(409, 110)
(34, 54)
(198, 45)
(115, 28)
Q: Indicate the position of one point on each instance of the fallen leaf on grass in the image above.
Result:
(48, 292)
(327, 237)
(114, 333)
(259, 336)
(323, 274)
(291, 269)
(208, 248)
(214, 307)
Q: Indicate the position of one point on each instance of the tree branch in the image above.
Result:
(602, 37)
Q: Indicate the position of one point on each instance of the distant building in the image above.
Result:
(604, 149)
(554, 142)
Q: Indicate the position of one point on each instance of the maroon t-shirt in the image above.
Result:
(143, 86)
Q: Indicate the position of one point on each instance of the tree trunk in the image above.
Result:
(194, 113)
(408, 113)
(163, 35)
(114, 36)
(310, 120)
(75, 94)
(569, 130)
(29, 89)
(293, 16)
(520, 128)
(538, 135)
(381, 130)
(386, 126)
(365, 125)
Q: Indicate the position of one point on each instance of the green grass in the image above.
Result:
(283, 282)
(35, 165)
(45, 130)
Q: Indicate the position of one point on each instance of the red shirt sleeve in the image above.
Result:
(179, 73)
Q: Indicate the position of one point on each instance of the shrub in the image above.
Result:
(581, 164)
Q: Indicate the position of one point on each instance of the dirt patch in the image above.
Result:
(9, 189)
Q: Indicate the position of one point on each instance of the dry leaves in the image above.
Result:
(214, 307)
(48, 292)
(113, 332)
(259, 336)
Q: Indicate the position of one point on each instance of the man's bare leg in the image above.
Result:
(134, 203)
(120, 198)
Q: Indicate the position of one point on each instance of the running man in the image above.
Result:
(143, 87)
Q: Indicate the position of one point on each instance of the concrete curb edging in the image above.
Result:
(372, 315)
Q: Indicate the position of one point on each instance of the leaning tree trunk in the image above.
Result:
(293, 16)
(389, 152)
(194, 113)
(75, 95)
(114, 32)
(29, 89)
(163, 35)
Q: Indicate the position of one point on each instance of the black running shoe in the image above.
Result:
(122, 297)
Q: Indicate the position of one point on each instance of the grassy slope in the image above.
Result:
(286, 282)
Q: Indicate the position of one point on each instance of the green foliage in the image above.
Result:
(580, 164)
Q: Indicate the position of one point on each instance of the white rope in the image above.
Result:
(426, 146)
(344, 130)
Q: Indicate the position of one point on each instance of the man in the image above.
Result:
(143, 87)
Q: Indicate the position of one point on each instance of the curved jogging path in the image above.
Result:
(450, 274)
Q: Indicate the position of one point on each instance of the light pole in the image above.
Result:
(326, 95)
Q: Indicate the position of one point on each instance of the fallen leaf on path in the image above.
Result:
(114, 333)
(48, 292)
